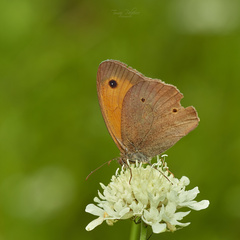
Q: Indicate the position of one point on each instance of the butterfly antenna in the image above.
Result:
(108, 162)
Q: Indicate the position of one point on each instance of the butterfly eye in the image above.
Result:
(143, 99)
(174, 110)
(112, 83)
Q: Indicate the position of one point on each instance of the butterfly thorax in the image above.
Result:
(133, 157)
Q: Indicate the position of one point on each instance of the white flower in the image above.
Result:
(150, 193)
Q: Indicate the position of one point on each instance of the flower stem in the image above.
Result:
(143, 233)
(134, 231)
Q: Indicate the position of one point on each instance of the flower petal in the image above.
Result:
(94, 223)
(159, 227)
(197, 205)
(91, 208)
(184, 180)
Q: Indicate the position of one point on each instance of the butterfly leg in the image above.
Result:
(165, 165)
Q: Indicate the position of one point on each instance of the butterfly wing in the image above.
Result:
(153, 119)
(114, 79)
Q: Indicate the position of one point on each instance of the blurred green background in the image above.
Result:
(51, 130)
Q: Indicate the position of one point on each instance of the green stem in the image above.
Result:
(143, 233)
(134, 231)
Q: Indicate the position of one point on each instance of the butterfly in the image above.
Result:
(143, 115)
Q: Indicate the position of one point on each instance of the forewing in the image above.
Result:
(111, 99)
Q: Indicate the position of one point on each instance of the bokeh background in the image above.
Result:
(51, 130)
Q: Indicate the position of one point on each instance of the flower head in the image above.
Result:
(150, 193)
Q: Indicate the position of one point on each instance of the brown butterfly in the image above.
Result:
(143, 115)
